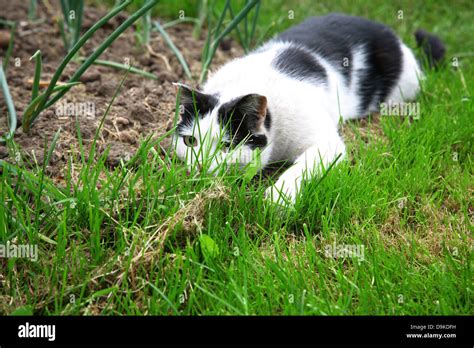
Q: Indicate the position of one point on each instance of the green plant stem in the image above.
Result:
(32, 9)
(37, 78)
(10, 106)
(8, 53)
(175, 50)
(130, 20)
(39, 99)
(179, 21)
(227, 30)
(202, 17)
(70, 56)
(116, 65)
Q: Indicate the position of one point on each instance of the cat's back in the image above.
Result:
(335, 34)
(367, 54)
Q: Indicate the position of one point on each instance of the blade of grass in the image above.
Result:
(237, 30)
(201, 18)
(6, 22)
(179, 21)
(146, 27)
(63, 34)
(120, 66)
(254, 23)
(175, 50)
(63, 23)
(46, 161)
(246, 29)
(106, 112)
(37, 78)
(221, 19)
(72, 12)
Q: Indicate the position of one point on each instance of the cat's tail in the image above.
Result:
(432, 47)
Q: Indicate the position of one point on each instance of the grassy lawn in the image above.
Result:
(150, 238)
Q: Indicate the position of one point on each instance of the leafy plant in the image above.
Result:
(8, 53)
(209, 247)
(54, 92)
(216, 34)
(37, 78)
(175, 50)
(32, 9)
(247, 38)
(71, 24)
(143, 27)
(126, 67)
(203, 8)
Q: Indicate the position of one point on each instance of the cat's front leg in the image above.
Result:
(306, 166)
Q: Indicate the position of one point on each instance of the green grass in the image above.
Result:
(130, 241)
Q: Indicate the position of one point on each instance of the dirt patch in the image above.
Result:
(143, 107)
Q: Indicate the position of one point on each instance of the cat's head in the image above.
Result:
(212, 133)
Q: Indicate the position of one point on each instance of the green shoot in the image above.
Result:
(143, 27)
(120, 66)
(175, 50)
(37, 78)
(248, 39)
(32, 10)
(179, 21)
(211, 47)
(8, 53)
(47, 99)
(10, 106)
(71, 26)
(203, 5)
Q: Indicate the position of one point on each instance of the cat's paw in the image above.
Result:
(281, 193)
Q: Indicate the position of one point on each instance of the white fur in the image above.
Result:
(408, 85)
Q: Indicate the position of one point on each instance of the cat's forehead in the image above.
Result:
(207, 123)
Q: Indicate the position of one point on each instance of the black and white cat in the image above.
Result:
(287, 97)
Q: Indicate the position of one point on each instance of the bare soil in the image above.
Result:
(143, 107)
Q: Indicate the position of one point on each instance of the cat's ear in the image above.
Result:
(254, 108)
(191, 100)
(188, 94)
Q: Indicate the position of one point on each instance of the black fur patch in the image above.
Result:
(256, 141)
(334, 37)
(324, 36)
(383, 69)
(268, 120)
(241, 124)
(432, 46)
(299, 64)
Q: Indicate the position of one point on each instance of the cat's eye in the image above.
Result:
(190, 141)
